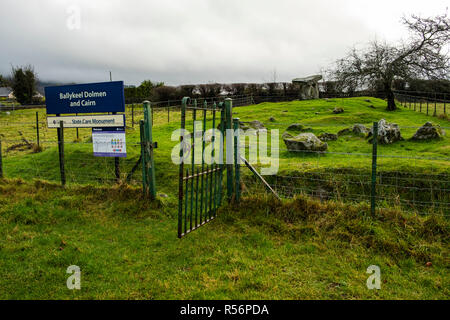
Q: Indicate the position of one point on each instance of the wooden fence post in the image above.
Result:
(132, 115)
(37, 127)
(445, 111)
(117, 164)
(1, 161)
(61, 152)
(168, 112)
(435, 105)
(374, 167)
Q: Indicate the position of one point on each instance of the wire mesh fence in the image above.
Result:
(417, 180)
(430, 103)
(80, 164)
(408, 179)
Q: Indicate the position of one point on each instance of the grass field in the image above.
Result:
(126, 246)
(349, 158)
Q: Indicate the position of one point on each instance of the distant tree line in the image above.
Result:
(148, 90)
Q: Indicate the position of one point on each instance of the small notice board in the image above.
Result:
(109, 142)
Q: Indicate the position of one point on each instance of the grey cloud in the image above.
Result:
(181, 41)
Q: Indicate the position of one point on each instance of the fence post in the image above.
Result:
(148, 123)
(132, 115)
(374, 167)
(181, 172)
(435, 105)
(445, 111)
(152, 116)
(37, 127)
(237, 160)
(1, 161)
(61, 152)
(116, 164)
(229, 148)
(144, 172)
(78, 136)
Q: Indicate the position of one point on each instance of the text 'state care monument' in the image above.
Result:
(309, 86)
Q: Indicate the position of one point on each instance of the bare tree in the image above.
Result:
(421, 56)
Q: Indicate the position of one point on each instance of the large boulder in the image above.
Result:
(304, 142)
(387, 132)
(328, 136)
(428, 132)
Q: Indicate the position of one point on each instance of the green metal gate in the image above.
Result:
(200, 191)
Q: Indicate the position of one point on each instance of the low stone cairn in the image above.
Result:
(357, 129)
(306, 141)
(428, 131)
(328, 136)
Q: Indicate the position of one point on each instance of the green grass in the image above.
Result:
(127, 248)
(349, 158)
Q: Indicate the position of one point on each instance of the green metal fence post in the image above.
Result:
(229, 148)
(150, 164)
(221, 142)
(236, 160)
(204, 179)
(374, 167)
(61, 152)
(181, 169)
(1, 161)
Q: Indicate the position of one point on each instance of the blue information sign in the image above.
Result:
(86, 98)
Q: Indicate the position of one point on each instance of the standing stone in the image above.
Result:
(387, 132)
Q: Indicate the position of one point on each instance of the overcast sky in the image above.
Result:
(193, 41)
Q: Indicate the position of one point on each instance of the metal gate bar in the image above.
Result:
(200, 187)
